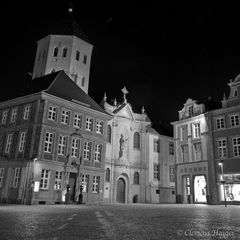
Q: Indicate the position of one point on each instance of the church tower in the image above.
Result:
(69, 51)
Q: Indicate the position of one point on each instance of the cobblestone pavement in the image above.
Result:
(118, 221)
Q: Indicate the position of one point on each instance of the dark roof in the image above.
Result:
(60, 85)
(211, 104)
(162, 129)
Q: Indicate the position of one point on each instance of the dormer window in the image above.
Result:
(235, 92)
(64, 52)
(190, 111)
(55, 51)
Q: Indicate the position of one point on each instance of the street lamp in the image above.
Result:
(223, 182)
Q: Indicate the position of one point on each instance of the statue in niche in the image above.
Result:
(122, 143)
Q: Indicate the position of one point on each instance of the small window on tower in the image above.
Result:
(55, 51)
(64, 53)
(83, 81)
(77, 55)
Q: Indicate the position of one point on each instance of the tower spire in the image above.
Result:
(125, 92)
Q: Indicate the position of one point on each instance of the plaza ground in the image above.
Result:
(119, 221)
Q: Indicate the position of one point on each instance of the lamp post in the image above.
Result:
(223, 182)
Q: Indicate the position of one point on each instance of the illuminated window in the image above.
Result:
(89, 124)
(109, 133)
(4, 117)
(87, 150)
(156, 145)
(64, 52)
(77, 122)
(65, 116)
(75, 147)
(171, 148)
(55, 51)
(156, 171)
(1, 176)
(96, 182)
(185, 153)
(136, 178)
(58, 181)
(236, 146)
(85, 181)
(107, 177)
(98, 152)
(99, 127)
(22, 141)
(26, 113)
(44, 182)
(136, 140)
(52, 113)
(183, 133)
(14, 115)
(62, 145)
(48, 143)
(77, 55)
(198, 151)
(16, 178)
(234, 120)
(171, 174)
(220, 123)
(196, 130)
(222, 148)
(8, 143)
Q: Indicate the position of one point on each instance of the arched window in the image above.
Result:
(136, 178)
(136, 140)
(64, 52)
(55, 51)
(107, 177)
(109, 133)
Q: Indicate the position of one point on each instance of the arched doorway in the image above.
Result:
(121, 188)
(200, 193)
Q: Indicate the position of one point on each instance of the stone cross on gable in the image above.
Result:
(125, 92)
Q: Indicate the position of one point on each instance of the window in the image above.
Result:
(98, 152)
(16, 178)
(44, 182)
(4, 117)
(136, 140)
(26, 113)
(52, 113)
(171, 148)
(198, 151)
(136, 178)
(99, 127)
(183, 133)
(55, 51)
(89, 124)
(77, 122)
(235, 92)
(185, 153)
(222, 148)
(48, 144)
(58, 181)
(75, 147)
(65, 117)
(85, 180)
(107, 176)
(62, 145)
(22, 142)
(85, 59)
(14, 115)
(234, 120)
(236, 146)
(64, 52)
(196, 130)
(220, 123)
(156, 171)
(190, 111)
(83, 81)
(1, 176)
(77, 55)
(171, 174)
(87, 150)
(96, 182)
(109, 133)
(8, 143)
(156, 147)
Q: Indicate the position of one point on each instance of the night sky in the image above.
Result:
(163, 54)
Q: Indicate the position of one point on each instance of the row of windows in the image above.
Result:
(64, 54)
(196, 150)
(75, 147)
(234, 121)
(65, 119)
(21, 142)
(222, 147)
(156, 172)
(15, 180)
(195, 128)
(156, 146)
(13, 114)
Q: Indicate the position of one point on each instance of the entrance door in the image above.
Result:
(72, 184)
(200, 193)
(121, 191)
